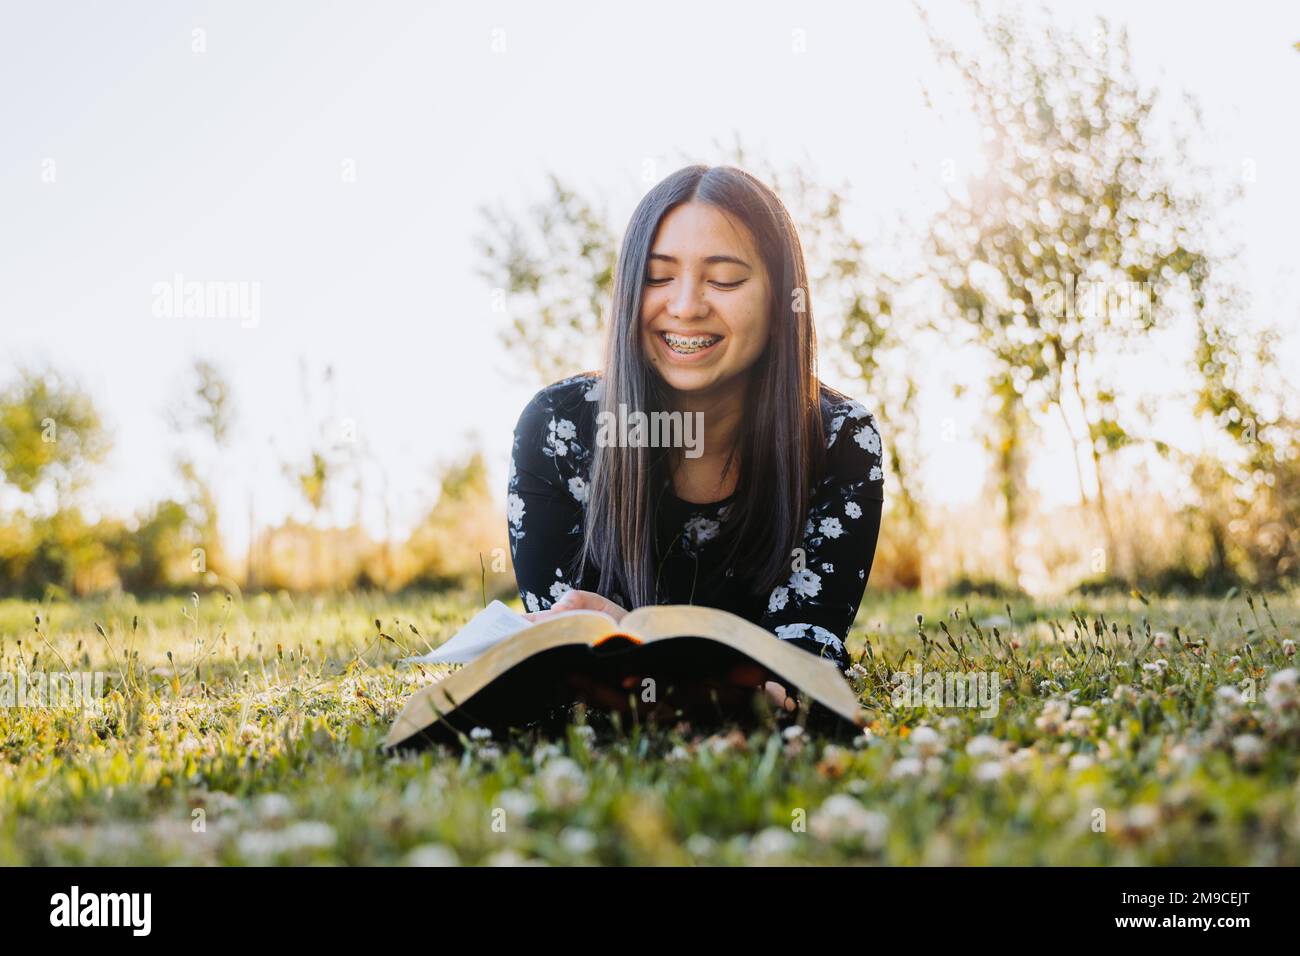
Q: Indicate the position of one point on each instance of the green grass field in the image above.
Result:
(1126, 733)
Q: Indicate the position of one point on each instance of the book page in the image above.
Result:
(485, 630)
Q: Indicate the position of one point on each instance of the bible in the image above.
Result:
(661, 662)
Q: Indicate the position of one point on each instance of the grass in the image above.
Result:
(1126, 733)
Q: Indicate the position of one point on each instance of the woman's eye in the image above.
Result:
(717, 285)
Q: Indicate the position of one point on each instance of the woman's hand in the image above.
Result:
(575, 600)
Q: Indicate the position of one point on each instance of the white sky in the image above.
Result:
(225, 165)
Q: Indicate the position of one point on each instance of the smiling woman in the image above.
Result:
(775, 514)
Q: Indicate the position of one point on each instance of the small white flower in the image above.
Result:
(700, 529)
(558, 589)
(561, 781)
(577, 841)
(805, 583)
(793, 732)
(516, 803)
(853, 510)
(480, 733)
(927, 742)
(869, 439)
(831, 527)
(579, 489)
(1248, 749)
(989, 771)
(1281, 691)
(515, 510)
(432, 854)
(906, 767)
(984, 746)
(772, 842)
(530, 599)
(777, 600)
(565, 429)
(842, 819)
(828, 568)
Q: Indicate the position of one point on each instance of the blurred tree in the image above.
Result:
(50, 435)
(205, 409)
(1073, 243)
(551, 270)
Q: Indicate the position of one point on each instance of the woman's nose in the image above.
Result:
(689, 300)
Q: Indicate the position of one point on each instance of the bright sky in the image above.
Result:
(225, 164)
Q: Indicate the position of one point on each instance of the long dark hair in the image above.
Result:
(781, 442)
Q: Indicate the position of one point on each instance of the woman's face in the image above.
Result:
(706, 292)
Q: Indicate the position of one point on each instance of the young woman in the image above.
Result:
(775, 515)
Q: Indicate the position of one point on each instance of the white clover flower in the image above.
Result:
(1161, 640)
(516, 803)
(927, 742)
(989, 771)
(906, 767)
(843, 819)
(1142, 817)
(983, 745)
(577, 841)
(772, 842)
(273, 806)
(1288, 648)
(511, 858)
(1248, 750)
(698, 844)
(1281, 691)
(562, 782)
(544, 752)
(793, 732)
(431, 854)
(1228, 694)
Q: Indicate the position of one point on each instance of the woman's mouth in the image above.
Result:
(689, 344)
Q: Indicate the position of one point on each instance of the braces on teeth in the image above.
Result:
(687, 345)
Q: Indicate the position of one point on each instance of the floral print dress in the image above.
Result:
(549, 486)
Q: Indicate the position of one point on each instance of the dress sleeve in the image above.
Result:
(544, 504)
(818, 605)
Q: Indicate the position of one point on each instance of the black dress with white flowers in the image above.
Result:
(550, 473)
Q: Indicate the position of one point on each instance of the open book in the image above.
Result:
(672, 661)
